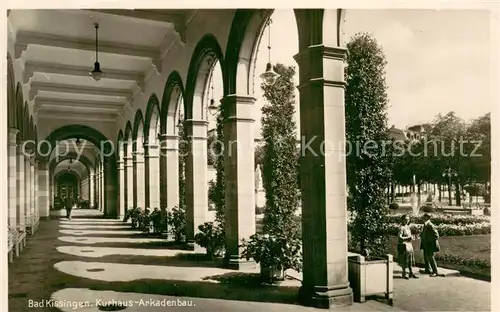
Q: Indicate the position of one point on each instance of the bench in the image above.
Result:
(18, 239)
(32, 224)
(10, 245)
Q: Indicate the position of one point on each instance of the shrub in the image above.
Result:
(176, 219)
(487, 211)
(145, 220)
(158, 220)
(394, 206)
(274, 251)
(134, 214)
(211, 237)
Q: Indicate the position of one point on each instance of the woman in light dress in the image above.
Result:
(406, 255)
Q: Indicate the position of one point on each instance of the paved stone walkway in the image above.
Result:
(95, 263)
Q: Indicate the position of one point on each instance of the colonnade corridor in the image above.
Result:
(104, 265)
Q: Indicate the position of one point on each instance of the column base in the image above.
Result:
(325, 297)
(234, 262)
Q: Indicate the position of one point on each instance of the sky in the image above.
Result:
(437, 61)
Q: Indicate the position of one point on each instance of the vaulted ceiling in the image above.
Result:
(57, 48)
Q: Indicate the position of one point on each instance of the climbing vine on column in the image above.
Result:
(183, 152)
(220, 183)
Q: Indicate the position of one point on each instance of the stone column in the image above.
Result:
(33, 178)
(21, 187)
(239, 174)
(121, 192)
(27, 188)
(196, 178)
(139, 177)
(110, 192)
(101, 188)
(36, 192)
(51, 189)
(92, 190)
(129, 171)
(43, 190)
(170, 178)
(13, 193)
(96, 187)
(152, 165)
(323, 165)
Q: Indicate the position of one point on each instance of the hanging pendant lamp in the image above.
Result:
(212, 108)
(269, 76)
(96, 73)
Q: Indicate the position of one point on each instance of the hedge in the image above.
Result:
(448, 229)
(439, 219)
(457, 260)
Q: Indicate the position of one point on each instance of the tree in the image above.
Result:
(279, 247)
(448, 131)
(366, 124)
(479, 139)
(280, 150)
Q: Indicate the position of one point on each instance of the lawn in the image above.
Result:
(466, 247)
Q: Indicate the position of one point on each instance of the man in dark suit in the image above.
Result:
(68, 203)
(429, 244)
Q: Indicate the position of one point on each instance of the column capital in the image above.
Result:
(166, 137)
(238, 108)
(151, 150)
(195, 122)
(128, 161)
(196, 129)
(329, 52)
(238, 98)
(314, 59)
(13, 136)
(138, 157)
(170, 143)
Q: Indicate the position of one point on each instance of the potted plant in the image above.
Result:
(275, 253)
(134, 217)
(176, 219)
(145, 221)
(211, 237)
(157, 222)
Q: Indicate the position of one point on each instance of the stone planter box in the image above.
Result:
(271, 274)
(371, 278)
